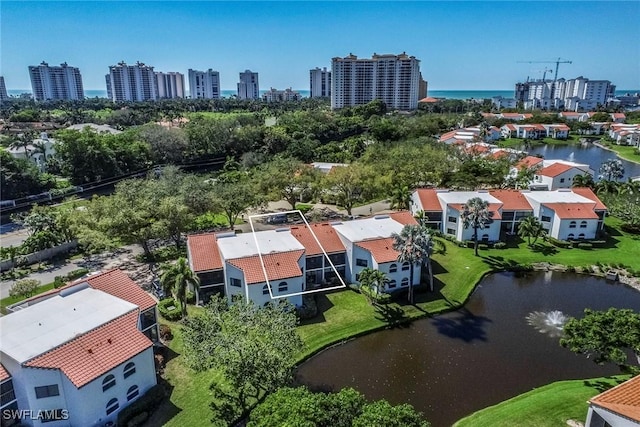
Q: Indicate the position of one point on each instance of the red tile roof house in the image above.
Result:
(566, 214)
(556, 174)
(296, 259)
(619, 406)
(79, 351)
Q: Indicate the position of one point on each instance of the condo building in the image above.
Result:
(320, 83)
(579, 94)
(204, 84)
(170, 85)
(248, 87)
(3, 90)
(52, 83)
(393, 79)
(131, 83)
(275, 95)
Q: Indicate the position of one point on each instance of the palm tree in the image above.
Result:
(401, 198)
(607, 187)
(611, 170)
(585, 180)
(177, 278)
(531, 227)
(476, 214)
(415, 245)
(23, 141)
(630, 187)
(372, 282)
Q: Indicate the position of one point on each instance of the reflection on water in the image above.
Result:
(550, 323)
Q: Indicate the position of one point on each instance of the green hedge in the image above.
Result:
(172, 315)
(559, 243)
(500, 245)
(138, 412)
(585, 245)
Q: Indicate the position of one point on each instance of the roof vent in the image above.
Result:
(336, 223)
(381, 217)
(279, 230)
(483, 191)
(223, 235)
(564, 190)
(73, 289)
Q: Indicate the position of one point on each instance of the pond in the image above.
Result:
(590, 154)
(454, 364)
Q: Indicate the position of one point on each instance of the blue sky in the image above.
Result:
(461, 45)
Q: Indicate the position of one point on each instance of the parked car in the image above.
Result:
(157, 290)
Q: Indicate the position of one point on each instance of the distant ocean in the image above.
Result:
(449, 94)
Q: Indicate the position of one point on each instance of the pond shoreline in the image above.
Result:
(597, 144)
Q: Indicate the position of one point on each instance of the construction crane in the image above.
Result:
(555, 77)
(557, 62)
(544, 73)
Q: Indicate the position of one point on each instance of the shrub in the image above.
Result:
(58, 282)
(559, 243)
(138, 412)
(571, 269)
(24, 288)
(585, 245)
(354, 287)
(469, 243)
(166, 310)
(309, 308)
(500, 245)
(165, 333)
(191, 297)
(483, 246)
(76, 274)
(631, 228)
(598, 243)
(303, 207)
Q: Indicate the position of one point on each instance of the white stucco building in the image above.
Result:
(320, 83)
(170, 85)
(567, 214)
(579, 94)
(275, 95)
(298, 258)
(204, 84)
(248, 86)
(38, 151)
(53, 83)
(618, 406)
(131, 82)
(80, 353)
(393, 79)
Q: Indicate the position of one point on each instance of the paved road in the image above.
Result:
(12, 235)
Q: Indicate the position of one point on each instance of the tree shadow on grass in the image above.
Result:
(166, 410)
(499, 263)
(603, 386)
(462, 325)
(391, 314)
(323, 304)
(543, 249)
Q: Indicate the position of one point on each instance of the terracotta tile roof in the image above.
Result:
(4, 375)
(510, 126)
(573, 210)
(477, 149)
(429, 200)
(203, 252)
(381, 249)
(91, 355)
(448, 135)
(324, 232)
(428, 99)
(529, 162)
(500, 154)
(512, 200)
(589, 194)
(118, 284)
(560, 127)
(618, 115)
(527, 115)
(403, 217)
(623, 399)
(569, 114)
(555, 169)
(280, 265)
(511, 115)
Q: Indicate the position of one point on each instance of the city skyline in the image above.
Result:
(461, 45)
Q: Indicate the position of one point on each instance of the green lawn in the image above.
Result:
(4, 302)
(551, 405)
(626, 152)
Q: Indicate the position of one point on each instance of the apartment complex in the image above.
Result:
(204, 84)
(78, 355)
(131, 82)
(275, 95)
(579, 94)
(288, 261)
(248, 86)
(52, 83)
(320, 83)
(170, 85)
(393, 79)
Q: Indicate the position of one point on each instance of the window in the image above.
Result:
(583, 224)
(361, 262)
(451, 231)
(112, 406)
(572, 224)
(393, 284)
(561, 180)
(313, 262)
(358, 277)
(47, 391)
(546, 218)
(338, 259)
(283, 287)
(405, 266)
(452, 219)
(393, 268)
(405, 282)
(235, 282)
(265, 290)
(581, 236)
(6, 393)
(571, 236)
(108, 382)
(132, 393)
(129, 369)
(50, 415)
